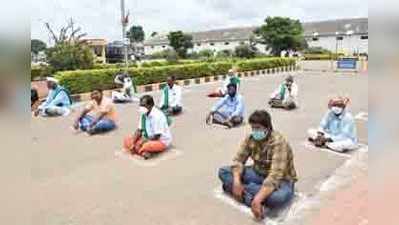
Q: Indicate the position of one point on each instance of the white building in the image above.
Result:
(344, 35)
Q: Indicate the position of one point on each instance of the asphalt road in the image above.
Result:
(81, 180)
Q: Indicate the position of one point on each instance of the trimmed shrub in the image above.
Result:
(81, 81)
(38, 72)
(320, 57)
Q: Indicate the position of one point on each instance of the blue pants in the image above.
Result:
(253, 183)
(102, 126)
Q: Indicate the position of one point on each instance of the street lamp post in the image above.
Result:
(349, 33)
(125, 21)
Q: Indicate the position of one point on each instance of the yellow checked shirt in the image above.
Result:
(273, 158)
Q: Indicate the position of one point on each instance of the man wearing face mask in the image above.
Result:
(337, 129)
(228, 111)
(99, 115)
(270, 181)
(153, 134)
(285, 96)
(231, 78)
(171, 99)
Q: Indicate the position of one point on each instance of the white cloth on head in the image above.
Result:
(52, 79)
(156, 123)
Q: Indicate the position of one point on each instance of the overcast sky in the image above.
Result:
(101, 18)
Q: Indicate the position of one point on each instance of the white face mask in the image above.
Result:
(337, 110)
(143, 110)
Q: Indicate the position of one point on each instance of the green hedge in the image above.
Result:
(38, 72)
(320, 56)
(82, 81)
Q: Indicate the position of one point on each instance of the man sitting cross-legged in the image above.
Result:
(337, 129)
(58, 101)
(153, 134)
(98, 116)
(232, 78)
(270, 181)
(285, 96)
(171, 99)
(228, 111)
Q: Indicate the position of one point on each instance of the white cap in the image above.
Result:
(52, 79)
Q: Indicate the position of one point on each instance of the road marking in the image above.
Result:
(311, 147)
(273, 217)
(362, 116)
(168, 155)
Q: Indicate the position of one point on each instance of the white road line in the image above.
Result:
(272, 218)
(311, 147)
(362, 116)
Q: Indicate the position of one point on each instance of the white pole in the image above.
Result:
(124, 37)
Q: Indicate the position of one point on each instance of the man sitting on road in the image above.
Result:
(58, 101)
(153, 134)
(285, 95)
(337, 129)
(99, 115)
(127, 93)
(231, 78)
(171, 99)
(228, 111)
(270, 181)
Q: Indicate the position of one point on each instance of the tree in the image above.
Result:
(281, 33)
(206, 53)
(37, 46)
(153, 34)
(70, 52)
(180, 42)
(136, 34)
(245, 51)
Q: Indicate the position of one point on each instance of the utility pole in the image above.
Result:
(125, 21)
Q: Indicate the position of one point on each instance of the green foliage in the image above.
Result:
(316, 50)
(136, 34)
(38, 72)
(37, 46)
(70, 56)
(81, 81)
(180, 42)
(205, 53)
(245, 51)
(261, 64)
(320, 56)
(281, 33)
(224, 54)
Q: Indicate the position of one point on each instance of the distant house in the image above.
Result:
(115, 51)
(343, 35)
(98, 46)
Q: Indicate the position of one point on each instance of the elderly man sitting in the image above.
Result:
(285, 96)
(231, 78)
(58, 101)
(337, 130)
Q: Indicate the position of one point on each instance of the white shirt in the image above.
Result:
(156, 123)
(293, 95)
(175, 96)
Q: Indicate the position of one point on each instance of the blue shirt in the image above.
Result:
(339, 127)
(230, 106)
(57, 97)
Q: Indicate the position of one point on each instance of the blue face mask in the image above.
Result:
(259, 135)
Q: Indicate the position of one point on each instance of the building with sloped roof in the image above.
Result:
(342, 35)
